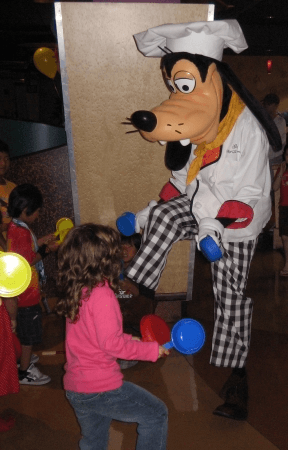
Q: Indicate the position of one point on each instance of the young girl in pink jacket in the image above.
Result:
(89, 268)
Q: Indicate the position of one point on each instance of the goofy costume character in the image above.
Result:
(217, 137)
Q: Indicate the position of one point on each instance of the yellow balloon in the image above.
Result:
(15, 274)
(45, 61)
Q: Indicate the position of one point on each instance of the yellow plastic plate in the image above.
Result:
(15, 274)
(63, 226)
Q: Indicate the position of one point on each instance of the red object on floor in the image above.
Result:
(5, 425)
(153, 328)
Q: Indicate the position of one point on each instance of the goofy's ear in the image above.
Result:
(214, 77)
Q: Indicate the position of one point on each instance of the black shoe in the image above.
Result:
(236, 399)
(231, 411)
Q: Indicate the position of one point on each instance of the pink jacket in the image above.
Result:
(96, 340)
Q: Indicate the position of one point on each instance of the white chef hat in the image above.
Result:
(203, 38)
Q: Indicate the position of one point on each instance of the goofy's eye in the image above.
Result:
(170, 86)
(185, 85)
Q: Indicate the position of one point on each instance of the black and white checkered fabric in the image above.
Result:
(171, 222)
(232, 309)
(168, 223)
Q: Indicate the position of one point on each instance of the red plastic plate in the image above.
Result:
(153, 328)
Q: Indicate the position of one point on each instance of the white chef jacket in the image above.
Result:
(240, 174)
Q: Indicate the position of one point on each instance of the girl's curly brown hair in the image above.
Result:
(89, 256)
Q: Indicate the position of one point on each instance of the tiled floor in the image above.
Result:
(188, 385)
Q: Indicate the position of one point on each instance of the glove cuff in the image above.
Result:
(152, 204)
(137, 226)
(211, 224)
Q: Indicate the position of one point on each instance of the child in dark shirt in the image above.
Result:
(133, 302)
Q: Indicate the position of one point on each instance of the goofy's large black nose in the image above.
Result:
(144, 120)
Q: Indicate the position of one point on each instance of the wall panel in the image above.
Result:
(107, 80)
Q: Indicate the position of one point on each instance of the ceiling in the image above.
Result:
(23, 25)
(27, 25)
(264, 23)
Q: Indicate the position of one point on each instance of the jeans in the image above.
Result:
(129, 403)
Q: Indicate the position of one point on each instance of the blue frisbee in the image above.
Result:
(187, 337)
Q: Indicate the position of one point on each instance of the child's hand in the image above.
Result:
(53, 246)
(129, 287)
(50, 241)
(124, 284)
(163, 351)
(135, 338)
(46, 239)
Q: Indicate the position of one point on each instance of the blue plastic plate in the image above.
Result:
(188, 336)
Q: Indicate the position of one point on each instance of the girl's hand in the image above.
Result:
(163, 351)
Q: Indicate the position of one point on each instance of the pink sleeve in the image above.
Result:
(109, 330)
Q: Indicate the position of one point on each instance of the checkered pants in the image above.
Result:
(171, 222)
